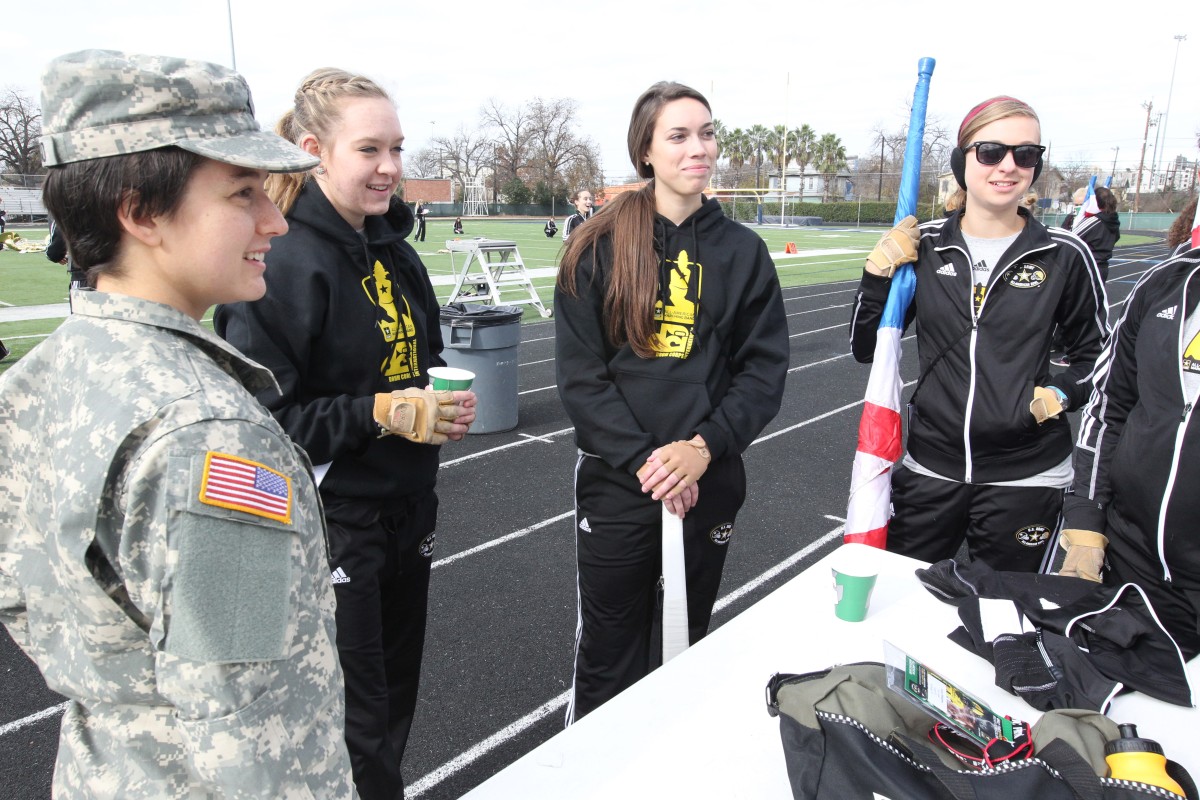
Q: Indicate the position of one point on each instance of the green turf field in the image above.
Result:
(825, 254)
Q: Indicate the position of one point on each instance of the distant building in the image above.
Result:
(431, 190)
(811, 183)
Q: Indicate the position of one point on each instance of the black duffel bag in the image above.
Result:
(847, 735)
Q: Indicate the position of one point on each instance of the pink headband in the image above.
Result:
(974, 112)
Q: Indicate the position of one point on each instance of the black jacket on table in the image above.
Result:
(970, 420)
(1140, 434)
(1100, 233)
(345, 316)
(721, 369)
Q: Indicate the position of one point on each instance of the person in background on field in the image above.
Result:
(421, 213)
(162, 552)
(458, 228)
(582, 200)
(1077, 199)
(1136, 469)
(550, 229)
(1100, 229)
(989, 449)
(672, 350)
(350, 327)
(3, 221)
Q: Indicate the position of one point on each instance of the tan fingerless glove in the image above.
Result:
(419, 415)
(1085, 553)
(1045, 404)
(897, 246)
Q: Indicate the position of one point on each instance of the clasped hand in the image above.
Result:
(671, 474)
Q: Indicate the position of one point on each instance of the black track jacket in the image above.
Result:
(1137, 459)
(971, 421)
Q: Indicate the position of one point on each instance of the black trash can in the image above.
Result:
(484, 339)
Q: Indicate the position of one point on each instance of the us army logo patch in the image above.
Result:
(1033, 535)
(721, 533)
(247, 486)
(1026, 276)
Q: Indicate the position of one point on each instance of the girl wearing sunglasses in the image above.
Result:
(989, 447)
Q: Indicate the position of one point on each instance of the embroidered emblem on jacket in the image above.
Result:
(1167, 313)
(1026, 276)
(947, 270)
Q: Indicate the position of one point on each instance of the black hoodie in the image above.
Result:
(723, 353)
(345, 316)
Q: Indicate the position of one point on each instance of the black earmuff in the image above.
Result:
(958, 165)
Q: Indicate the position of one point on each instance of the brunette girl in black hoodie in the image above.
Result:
(672, 353)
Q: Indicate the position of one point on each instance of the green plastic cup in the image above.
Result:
(451, 378)
(854, 576)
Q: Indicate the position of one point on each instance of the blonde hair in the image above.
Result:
(978, 118)
(317, 110)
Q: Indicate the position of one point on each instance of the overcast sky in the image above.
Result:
(841, 67)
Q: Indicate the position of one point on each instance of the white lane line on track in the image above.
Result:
(507, 538)
(818, 330)
(815, 310)
(543, 438)
(472, 754)
(17, 724)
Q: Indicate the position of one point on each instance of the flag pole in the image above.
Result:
(879, 429)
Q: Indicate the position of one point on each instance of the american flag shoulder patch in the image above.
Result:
(242, 485)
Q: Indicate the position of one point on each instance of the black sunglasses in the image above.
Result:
(992, 153)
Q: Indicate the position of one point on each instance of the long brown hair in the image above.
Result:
(317, 110)
(628, 222)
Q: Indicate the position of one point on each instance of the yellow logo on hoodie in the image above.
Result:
(397, 328)
(676, 319)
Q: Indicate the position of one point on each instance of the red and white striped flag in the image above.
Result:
(880, 438)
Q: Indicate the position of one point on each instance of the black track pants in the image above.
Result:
(619, 553)
(1010, 528)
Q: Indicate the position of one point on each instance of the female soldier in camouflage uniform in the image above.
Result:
(162, 556)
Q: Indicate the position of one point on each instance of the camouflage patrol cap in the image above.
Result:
(101, 103)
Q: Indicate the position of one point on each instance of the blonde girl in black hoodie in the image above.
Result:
(672, 353)
(350, 327)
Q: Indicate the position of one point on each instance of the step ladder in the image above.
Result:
(492, 271)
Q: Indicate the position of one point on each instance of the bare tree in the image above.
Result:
(513, 140)
(424, 163)
(559, 153)
(464, 155)
(20, 131)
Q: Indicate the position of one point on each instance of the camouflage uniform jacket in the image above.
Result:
(163, 561)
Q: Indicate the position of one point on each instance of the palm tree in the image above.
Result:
(735, 147)
(779, 148)
(830, 157)
(803, 141)
(758, 136)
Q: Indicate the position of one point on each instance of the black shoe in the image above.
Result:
(3, 351)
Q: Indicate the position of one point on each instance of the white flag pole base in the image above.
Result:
(675, 614)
